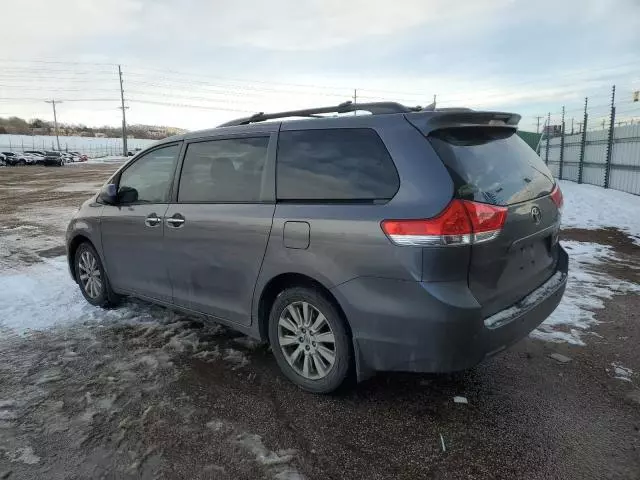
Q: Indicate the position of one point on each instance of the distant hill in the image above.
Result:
(19, 126)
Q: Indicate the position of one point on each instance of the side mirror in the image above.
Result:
(127, 195)
(108, 194)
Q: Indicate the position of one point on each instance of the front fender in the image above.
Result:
(85, 226)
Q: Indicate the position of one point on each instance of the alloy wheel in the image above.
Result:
(90, 277)
(306, 340)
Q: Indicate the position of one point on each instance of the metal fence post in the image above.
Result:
(583, 140)
(561, 145)
(546, 154)
(612, 119)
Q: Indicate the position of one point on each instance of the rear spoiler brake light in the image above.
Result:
(427, 122)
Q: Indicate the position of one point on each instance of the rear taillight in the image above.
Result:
(462, 223)
(556, 196)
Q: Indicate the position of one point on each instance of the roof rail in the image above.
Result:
(375, 108)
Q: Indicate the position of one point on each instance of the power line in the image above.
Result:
(55, 62)
(181, 83)
(227, 79)
(182, 105)
(34, 99)
(56, 89)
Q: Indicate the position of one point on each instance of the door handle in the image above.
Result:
(175, 221)
(152, 220)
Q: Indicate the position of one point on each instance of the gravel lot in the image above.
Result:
(141, 392)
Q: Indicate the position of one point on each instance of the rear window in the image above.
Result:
(334, 165)
(492, 165)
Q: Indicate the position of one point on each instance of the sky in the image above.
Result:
(197, 63)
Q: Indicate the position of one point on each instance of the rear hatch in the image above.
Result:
(492, 165)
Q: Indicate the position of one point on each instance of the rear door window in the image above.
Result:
(224, 171)
(492, 165)
(334, 165)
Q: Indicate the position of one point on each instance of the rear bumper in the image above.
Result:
(436, 327)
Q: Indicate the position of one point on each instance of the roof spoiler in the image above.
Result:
(428, 122)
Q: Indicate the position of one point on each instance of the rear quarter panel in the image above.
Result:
(346, 240)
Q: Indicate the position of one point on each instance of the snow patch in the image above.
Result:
(235, 357)
(587, 288)
(621, 373)
(24, 455)
(208, 356)
(277, 463)
(591, 207)
(247, 342)
(42, 296)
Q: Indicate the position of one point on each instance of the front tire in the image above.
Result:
(309, 340)
(92, 278)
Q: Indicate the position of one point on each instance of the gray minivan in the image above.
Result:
(405, 239)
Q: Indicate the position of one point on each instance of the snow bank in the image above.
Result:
(591, 207)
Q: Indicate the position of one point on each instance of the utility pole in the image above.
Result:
(55, 120)
(355, 100)
(571, 125)
(538, 124)
(125, 150)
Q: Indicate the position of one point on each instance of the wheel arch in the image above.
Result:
(287, 280)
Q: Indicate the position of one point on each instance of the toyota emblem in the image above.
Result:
(536, 215)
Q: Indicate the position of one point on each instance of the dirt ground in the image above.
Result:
(140, 392)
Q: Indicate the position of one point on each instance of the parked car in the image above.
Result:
(54, 158)
(411, 240)
(67, 157)
(80, 156)
(3, 160)
(13, 158)
(37, 155)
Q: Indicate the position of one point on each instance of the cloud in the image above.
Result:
(319, 24)
(281, 25)
(52, 25)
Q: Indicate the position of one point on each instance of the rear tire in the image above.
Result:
(309, 340)
(92, 278)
